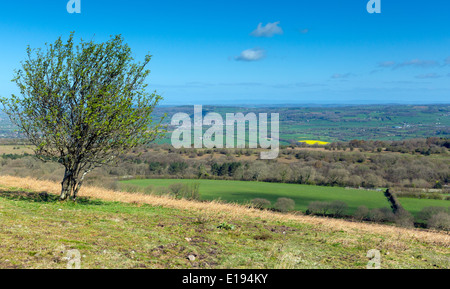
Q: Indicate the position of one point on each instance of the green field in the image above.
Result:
(244, 192)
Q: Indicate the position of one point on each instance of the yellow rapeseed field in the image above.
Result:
(313, 142)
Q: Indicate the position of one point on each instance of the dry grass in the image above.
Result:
(16, 149)
(394, 234)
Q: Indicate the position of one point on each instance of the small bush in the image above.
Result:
(185, 191)
(361, 213)
(111, 185)
(404, 218)
(176, 189)
(381, 215)
(318, 208)
(226, 226)
(130, 188)
(426, 213)
(335, 208)
(162, 191)
(285, 205)
(148, 189)
(261, 203)
(439, 221)
(338, 208)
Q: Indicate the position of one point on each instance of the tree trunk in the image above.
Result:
(79, 184)
(71, 184)
(67, 185)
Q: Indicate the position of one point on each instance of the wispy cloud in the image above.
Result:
(253, 84)
(428, 76)
(304, 31)
(341, 75)
(269, 30)
(253, 54)
(418, 63)
(447, 61)
(386, 64)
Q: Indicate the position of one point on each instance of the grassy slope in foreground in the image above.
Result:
(244, 192)
(150, 232)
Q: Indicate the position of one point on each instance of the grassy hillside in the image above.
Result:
(244, 192)
(119, 230)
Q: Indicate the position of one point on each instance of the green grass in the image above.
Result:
(37, 231)
(416, 205)
(244, 192)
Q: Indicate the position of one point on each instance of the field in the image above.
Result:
(15, 149)
(313, 142)
(119, 230)
(244, 192)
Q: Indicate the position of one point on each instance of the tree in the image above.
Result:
(83, 105)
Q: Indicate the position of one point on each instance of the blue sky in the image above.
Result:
(256, 52)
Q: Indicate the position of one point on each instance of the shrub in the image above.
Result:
(111, 185)
(156, 167)
(261, 203)
(177, 168)
(285, 204)
(176, 189)
(193, 191)
(335, 208)
(439, 221)
(226, 226)
(148, 189)
(129, 188)
(404, 218)
(381, 215)
(361, 213)
(162, 191)
(185, 191)
(338, 208)
(426, 213)
(318, 208)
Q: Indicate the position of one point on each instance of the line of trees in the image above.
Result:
(432, 145)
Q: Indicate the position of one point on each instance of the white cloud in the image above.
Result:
(253, 54)
(269, 30)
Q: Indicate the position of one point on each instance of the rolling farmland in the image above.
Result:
(244, 192)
